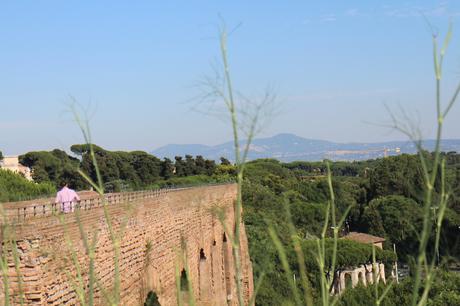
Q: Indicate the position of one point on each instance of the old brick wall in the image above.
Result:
(153, 231)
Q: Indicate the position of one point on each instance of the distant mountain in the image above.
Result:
(289, 147)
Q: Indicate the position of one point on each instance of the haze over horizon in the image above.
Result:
(135, 65)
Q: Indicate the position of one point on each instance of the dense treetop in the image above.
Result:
(119, 170)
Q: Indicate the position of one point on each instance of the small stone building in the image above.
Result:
(364, 273)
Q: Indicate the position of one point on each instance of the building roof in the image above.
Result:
(363, 238)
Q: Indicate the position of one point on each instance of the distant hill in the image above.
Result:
(289, 147)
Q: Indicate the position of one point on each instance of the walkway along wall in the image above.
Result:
(156, 225)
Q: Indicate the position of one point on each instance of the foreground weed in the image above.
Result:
(433, 170)
(244, 116)
(85, 290)
(182, 261)
(8, 252)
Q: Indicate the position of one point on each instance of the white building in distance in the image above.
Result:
(12, 163)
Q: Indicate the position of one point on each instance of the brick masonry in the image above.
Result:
(154, 227)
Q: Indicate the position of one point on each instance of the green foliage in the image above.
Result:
(14, 187)
(340, 168)
(381, 206)
(193, 180)
(268, 187)
(397, 175)
(119, 170)
(362, 296)
(53, 167)
(228, 170)
(167, 169)
(397, 218)
(224, 161)
(445, 291)
(349, 253)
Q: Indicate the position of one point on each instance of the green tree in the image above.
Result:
(167, 169)
(200, 165)
(117, 168)
(54, 166)
(372, 223)
(209, 167)
(397, 175)
(224, 161)
(147, 167)
(189, 165)
(180, 166)
(401, 219)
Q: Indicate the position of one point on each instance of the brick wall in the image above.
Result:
(153, 230)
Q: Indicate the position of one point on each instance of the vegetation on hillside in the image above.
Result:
(15, 187)
(381, 205)
(444, 292)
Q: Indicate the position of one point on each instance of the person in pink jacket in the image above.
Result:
(66, 197)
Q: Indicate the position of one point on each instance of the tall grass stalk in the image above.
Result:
(9, 246)
(178, 282)
(182, 261)
(240, 163)
(296, 241)
(424, 264)
(378, 297)
(76, 281)
(5, 233)
(4, 268)
(285, 264)
(85, 290)
(244, 118)
(328, 272)
(85, 293)
(17, 263)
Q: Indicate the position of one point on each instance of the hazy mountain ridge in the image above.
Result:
(289, 147)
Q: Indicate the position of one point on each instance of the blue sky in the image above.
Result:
(136, 64)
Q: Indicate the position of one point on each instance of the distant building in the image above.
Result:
(365, 238)
(12, 163)
(366, 273)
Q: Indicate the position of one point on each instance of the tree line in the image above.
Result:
(119, 170)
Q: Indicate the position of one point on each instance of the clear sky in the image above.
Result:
(135, 64)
